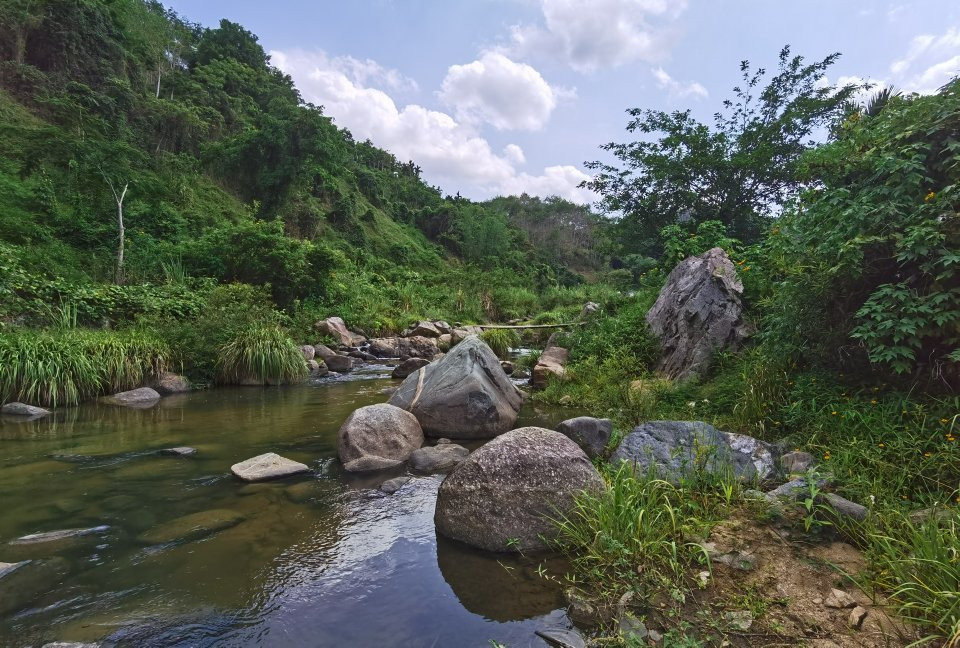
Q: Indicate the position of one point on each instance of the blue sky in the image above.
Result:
(503, 96)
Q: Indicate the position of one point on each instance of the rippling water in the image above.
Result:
(324, 560)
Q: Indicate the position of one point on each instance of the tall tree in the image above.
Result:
(739, 171)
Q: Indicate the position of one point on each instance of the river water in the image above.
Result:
(322, 560)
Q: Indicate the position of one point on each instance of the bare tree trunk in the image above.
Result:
(118, 278)
(158, 80)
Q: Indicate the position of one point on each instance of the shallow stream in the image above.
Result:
(323, 560)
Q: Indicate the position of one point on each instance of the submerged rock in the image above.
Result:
(562, 638)
(267, 466)
(21, 583)
(192, 527)
(377, 437)
(140, 397)
(391, 486)
(502, 497)
(59, 534)
(180, 451)
(22, 409)
(699, 311)
(591, 434)
(464, 395)
(676, 448)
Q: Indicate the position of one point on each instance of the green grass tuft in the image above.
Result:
(262, 353)
(501, 341)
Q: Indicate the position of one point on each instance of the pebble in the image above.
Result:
(857, 615)
(839, 600)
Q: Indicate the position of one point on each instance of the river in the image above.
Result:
(323, 560)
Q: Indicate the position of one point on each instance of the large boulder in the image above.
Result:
(677, 448)
(503, 496)
(376, 437)
(323, 352)
(383, 347)
(551, 364)
(464, 395)
(339, 363)
(591, 434)
(425, 329)
(408, 366)
(140, 397)
(337, 328)
(699, 312)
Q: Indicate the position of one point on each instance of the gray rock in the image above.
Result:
(59, 534)
(308, 352)
(391, 486)
(383, 347)
(169, 383)
(9, 568)
(438, 458)
(408, 366)
(444, 342)
(589, 309)
(141, 397)
(318, 369)
(464, 395)
(794, 490)
(675, 448)
(796, 462)
(699, 311)
(443, 327)
(417, 346)
(507, 366)
(591, 434)
(337, 328)
(741, 620)
(844, 507)
(371, 464)
(69, 644)
(378, 432)
(22, 409)
(425, 329)
(179, 451)
(504, 495)
(323, 352)
(267, 466)
(339, 363)
(192, 527)
(562, 638)
(363, 355)
(630, 625)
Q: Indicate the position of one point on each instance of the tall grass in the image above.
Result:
(501, 341)
(63, 367)
(919, 565)
(632, 536)
(262, 353)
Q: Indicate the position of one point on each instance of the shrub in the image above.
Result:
(263, 354)
(66, 366)
(501, 341)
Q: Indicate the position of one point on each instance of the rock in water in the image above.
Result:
(339, 363)
(377, 437)
(267, 466)
(591, 434)
(169, 383)
(502, 497)
(464, 395)
(142, 397)
(699, 311)
(192, 527)
(22, 409)
(438, 458)
(408, 366)
(58, 535)
(337, 328)
(675, 448)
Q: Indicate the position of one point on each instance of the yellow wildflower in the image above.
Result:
(930, 196)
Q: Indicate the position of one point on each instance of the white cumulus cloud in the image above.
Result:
(496, 90)
(451, 153)
(594, 34)
(930, 62)
(675, 88)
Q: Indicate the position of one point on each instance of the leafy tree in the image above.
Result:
(740, 171)
(872, 254)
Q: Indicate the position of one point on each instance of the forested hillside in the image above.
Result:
(224, 174)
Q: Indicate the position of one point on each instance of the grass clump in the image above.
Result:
(501, 341)
(63, 367)
(263, 354)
